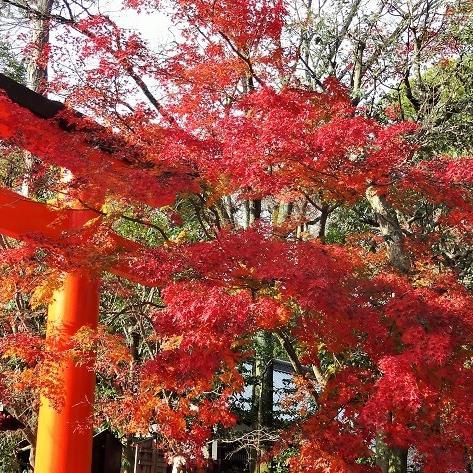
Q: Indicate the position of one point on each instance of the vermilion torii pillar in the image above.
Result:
(64, 436)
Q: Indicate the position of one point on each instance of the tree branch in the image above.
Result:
(244, 58)
(296, 364)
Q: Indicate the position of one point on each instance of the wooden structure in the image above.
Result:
(106, 453)
(148, 459)
(8, 422)
(64, 437)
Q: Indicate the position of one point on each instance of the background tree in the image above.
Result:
(277, 210)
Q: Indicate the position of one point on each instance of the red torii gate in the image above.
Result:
(64, 437)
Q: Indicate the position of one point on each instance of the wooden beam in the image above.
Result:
(25, 219)
(103, 161)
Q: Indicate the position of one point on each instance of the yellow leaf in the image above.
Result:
(43, 293)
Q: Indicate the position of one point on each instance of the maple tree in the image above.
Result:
(232, 161)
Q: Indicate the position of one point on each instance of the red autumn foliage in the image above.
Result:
(400, 343)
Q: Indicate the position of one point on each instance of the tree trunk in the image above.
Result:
(390, 230)
(31, 438)
(129, 450)
(255, 210)
(264, 390)
(36, 72)
(264, 374)
(324, 213)
(358, 72)
(389, 459)
(36, 66)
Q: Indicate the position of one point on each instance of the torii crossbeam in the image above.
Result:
(64, 436)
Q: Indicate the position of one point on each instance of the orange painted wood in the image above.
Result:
(87, 157)
(21, 217)
(64, 437)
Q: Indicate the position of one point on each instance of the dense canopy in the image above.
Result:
(275, 181)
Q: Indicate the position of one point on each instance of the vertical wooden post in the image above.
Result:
(64, 438)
